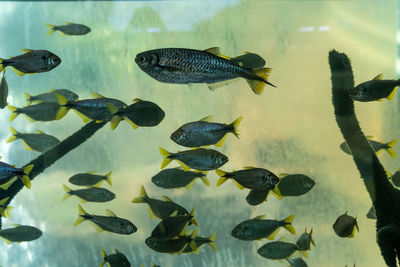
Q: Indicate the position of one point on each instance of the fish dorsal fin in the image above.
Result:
(249, 167)
(97, 95)
(207, 119)
(67, 23)
(214, 50)
(281, 175)
(110, 213)
(137, 100)
(378, 77)
(26, 50)
(260, 217)
(16, 225)
(116, 250)
(39, 132)
(165, 198)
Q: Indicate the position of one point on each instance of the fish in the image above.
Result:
(5, 211)
(7, 172)
(188, 66)
(345, 226)
(90, 179)
(374, 90)
(38, 141)
(20, 233)
(251, 178)
(278, 250)
(201, 241)
(141, 113)
(172, 246)
(376, 146)
(89, 109)
(159, 208)
(68, 29)
(305, 240)
(257, 228)
(371, 213)
(32, 61)
(117, 259)
(296, 262)
(3, 92)
(199, 159)
(256, 197)
(93, 194)
(295, 184)
(110, 223)
(173, 225)
(178, 178)
(204, 133)
(38, 112)
(50, 96)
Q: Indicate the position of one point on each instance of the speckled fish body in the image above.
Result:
(20, 233)
(117, 259)
(39, 142)
(96, 109)
(277, 250)
(93, 194)
(373, 90)
(256, 197)
(175, 178)
(200, 159)
(89, 179)
(50, 97)
(295, 185)
(254, 178)
(3, 92)
(345, 226)
(33, 61)
(69, 29)
(39, 112)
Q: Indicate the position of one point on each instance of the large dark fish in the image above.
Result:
(345, 226)
(159, 208)
(186, 66)
(201, 241)
(3, 92)
(92, 194)
(39, 141)
(90, 179)
(204, 133)
(50, 96)
(8, 171)
(295, 185)
(258, 228)
(376, 146)
(90, 109)
(38, 112)
(374, 89)
(32, 61)
(117, 259)
(69, 29)
(141, 113)
(110, 223)
(21, 233)
(172, 246)
(173, 225)
(279, 250)
(178, 178)
(250, 177)
(198, 159)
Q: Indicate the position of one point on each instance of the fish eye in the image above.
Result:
(142, 59)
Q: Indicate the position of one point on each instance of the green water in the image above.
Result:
(288, 129)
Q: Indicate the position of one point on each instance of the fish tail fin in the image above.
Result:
(235, 125)
(51, 29)
(289, 225)
(67, 192)
(14, 113)
(25, 177)
(141, 198)
(391, 95)
(28, 98)
(115, 120)
(6, 212)
(205, 180)
(2, 67)
(108, 178)
(305, 254)
(256, 85)
(14, 135)
(82, 213)
(63, 110)
(192, 219)
(221, 175)
(166, 159)
(390, 148)
(212, 243)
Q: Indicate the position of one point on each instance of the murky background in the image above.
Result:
(289, 129)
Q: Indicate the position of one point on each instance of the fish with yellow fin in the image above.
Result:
(306, 240)
(92, 194)
(345, 226)
(39, 112)
(5, 211)
(90, 179)
(20, 233)
(204, 132)
(173, 225)
(173, 246)
(32, 61)
(188, 66)
(279, 250)
(50, 96)
(117, 259)
(376, 146)
(374, 90)
(68, 28)
(7, 172)
(201, 241)
(38, 141)
(178, 178)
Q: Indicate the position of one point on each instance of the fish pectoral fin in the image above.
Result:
(83, 117)
(96, 95)
(151, 213)
(8, 242)
(110, 213)
(20, 73)
(273, 235)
